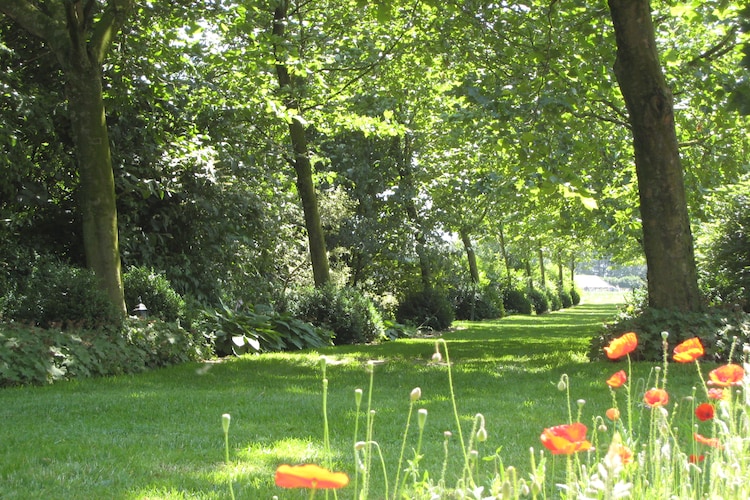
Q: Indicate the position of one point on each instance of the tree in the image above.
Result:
(291, 85)
(80, 34)
(667, 237)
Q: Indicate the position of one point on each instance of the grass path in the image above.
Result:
(158, 434)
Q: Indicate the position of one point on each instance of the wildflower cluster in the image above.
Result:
(661, 464)
(641, 447)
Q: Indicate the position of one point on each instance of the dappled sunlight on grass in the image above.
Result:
(158, 434)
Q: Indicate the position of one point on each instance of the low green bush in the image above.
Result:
(553, 298)
(30, 355)
(243, 329)
(715, 327)
(58, 294)
(426, 309)
(349, 314)
(476, 303)
(539, 300)
(516, 302)
(155, 291)
(566, 299)
(575, 296)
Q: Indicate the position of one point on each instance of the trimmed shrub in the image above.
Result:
(575, 296)
(566, 300)
(553, 299)
(516, 302)
(539, 300)
(59, 294)
(155, 291)
(350, 315)
(426, 309)
(475, 303)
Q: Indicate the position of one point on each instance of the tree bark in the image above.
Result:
(80, 45)
(409, 188)
(301, 160)
(667, 237)
(471, 256)
(541, 267)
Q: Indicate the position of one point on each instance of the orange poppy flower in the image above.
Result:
(309, 476)
(704, 411)
(621, 346)
(656, 397)
(566, 439)
(694, 459)
(619, 452)
(688, 351)
(613, 414)
(712, 442)
(726, 375)
(617, 379)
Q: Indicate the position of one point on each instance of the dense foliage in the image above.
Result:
(426, 309)
(476, 303)
(718, 328)
(727, 264)
(349, 314)
(48, 292)
(33, 355)
(154, 291)
(240, 330)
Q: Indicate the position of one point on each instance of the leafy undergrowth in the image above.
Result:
(158, 434)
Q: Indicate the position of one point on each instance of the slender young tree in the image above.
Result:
(667, 237)
(80, 33)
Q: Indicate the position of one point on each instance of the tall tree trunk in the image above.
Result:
(408, 186)
(504, 251)
(470, 255)
(81, 42)
(572, 271)
(97, 188)
(301, 159)
(541, 267)
(667, 238)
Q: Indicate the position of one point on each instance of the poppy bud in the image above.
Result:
(416, 393)
(225, 419)
(421, 416)
(358, 396)
(482, 435)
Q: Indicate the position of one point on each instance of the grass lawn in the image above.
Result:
(159, 435)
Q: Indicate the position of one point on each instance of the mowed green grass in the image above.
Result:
(158, 434)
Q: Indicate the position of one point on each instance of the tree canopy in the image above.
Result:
(392, 146)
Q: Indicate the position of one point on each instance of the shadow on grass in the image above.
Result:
(158, 435)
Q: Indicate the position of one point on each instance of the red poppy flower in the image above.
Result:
(309, 476)
(617, 379)
(656, 397)
(688, 351)
(612, 414)
(694, 459)
(621, 346)
(712, 442)
(726, 375)
(566, 439)
(704, 411)
(716, 394)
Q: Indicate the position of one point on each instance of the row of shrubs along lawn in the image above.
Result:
(55, 324)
